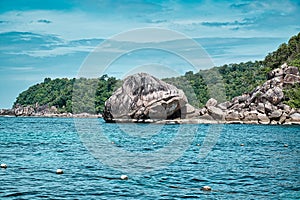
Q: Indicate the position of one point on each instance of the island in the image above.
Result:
(260, 92)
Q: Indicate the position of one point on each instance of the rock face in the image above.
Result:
(143, 96)
(264, 104)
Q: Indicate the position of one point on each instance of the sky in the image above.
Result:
(53, 38)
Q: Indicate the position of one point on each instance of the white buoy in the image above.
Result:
(59, 171)
(285, 145)
(124, 177)
(3, 165)
(206, 188)
(242, 145)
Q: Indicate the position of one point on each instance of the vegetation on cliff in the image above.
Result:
(234, 80)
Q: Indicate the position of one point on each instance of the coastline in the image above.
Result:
(154, 121)
(199, 121)
(61, 115)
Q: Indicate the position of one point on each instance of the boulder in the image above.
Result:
(7, 112)
(143, 96)
(291, 79)
(202, 111)
(206, 117)
(215, 112)
(211, 102)
(23, 110)
(225, 105)
(250, 117)
(275, 114)
(291, 70)
(188, 111)
(275, 73)
(260, 108)
(283, 118)
(263, 119)
(232, 116)
(268, 107)
(295, 117)
(274, 95)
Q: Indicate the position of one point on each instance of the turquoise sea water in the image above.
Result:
(33, 148)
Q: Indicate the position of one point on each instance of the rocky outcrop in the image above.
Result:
(143, 97)
(264, 104)
(36, 110)
(42, 111)
(7, 112)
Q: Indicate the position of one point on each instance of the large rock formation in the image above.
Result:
(264, 104)
(143, 97)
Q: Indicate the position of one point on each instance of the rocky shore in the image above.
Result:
(143, 98)
(146, 99)
(42, 111)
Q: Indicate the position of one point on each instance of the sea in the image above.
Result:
(168, 161)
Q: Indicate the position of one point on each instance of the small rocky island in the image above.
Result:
(144, 98)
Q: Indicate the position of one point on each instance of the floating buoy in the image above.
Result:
(113, 142)
(242, 145)
(59, 171)
(206, 188)
(198, 144)
(3, 165)
(154, 143)
(124, 177)
(285, 145)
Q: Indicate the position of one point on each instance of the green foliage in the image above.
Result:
(241, 78)
(293, 96)
(89, 95)
(193, 86)
(289, 53)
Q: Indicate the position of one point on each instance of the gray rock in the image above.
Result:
(188, 112)
(274, 122)
(232, 116)
(202, 111)
(143, 96)
(295, 117)
(238, 106)
(283, 118)
(274, 95)
(188, 109)
(275, 114)
(263, 119)
(24, 110)
(291, 70)
(7, 112)
(291, 79)
(225, 105)
(260, 108)
(211, 102)
(250, 116)
(215, 112)
(206, 117)
(268, 107)
(157, 111)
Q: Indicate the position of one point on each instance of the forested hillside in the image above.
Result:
(226, 82)
(59, 93)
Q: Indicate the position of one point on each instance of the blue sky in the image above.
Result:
(41, 39)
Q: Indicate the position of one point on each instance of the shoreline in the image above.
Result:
(62, 115)
(150, 121)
